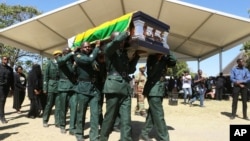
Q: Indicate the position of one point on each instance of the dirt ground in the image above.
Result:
(185, 123)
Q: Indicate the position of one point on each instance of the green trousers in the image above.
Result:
(117, 104)
(155, 118)
(52, 100)
(83, 102)
(68, 99)
(73, 111)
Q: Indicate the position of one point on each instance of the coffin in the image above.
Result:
(146, 33)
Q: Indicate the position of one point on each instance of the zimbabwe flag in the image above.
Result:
(104, 30)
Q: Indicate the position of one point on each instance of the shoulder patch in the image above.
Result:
(78, 56)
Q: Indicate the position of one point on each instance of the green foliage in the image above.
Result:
(246, 48)
(10, 15)
(178, 70)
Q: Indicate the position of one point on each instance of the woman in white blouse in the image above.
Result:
(186, 85)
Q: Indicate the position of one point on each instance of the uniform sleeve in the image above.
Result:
(85, 59)
(171, 60)
(132, 64)
(63, 60)
(112, 46)
(46, 77)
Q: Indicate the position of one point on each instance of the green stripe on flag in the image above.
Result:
(104, 30)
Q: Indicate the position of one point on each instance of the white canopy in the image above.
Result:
(195, 32)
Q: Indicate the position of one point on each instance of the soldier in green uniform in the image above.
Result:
(100, 76)
(87, 92)
(50, 83)
(65, 87)
(154, 90)
(117, 88)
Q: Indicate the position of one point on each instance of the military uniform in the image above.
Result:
(100, 76)
(50, 86)
(154, 90)
(87, 95)
(66, 94)
(117, 88)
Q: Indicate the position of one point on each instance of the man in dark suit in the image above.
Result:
(6, 84)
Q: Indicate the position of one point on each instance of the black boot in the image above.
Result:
(3, 120)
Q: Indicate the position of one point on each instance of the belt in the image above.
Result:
(124, 75)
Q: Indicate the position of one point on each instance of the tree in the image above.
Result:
(178, 70)
(10, 15)
(246, 48)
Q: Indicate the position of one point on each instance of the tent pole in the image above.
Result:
(220, 59)
(198, 63)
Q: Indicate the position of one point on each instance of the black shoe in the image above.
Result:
(116, 129)
(4, 121)
(145, 138)
(45, 124)
(232, 117)
(32, 117)
(40, 115)
(63, 131)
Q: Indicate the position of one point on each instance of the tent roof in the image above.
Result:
(195, 32)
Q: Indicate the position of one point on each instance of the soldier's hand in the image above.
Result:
(76, 49)
(98, 43)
